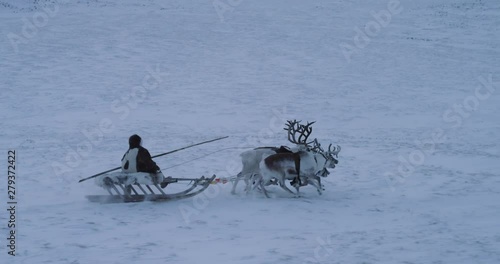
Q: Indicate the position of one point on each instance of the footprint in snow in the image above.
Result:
(248, 257)
(200, 222)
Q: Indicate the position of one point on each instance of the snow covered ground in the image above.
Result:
(409, 89)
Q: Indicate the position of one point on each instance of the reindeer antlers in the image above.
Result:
(304, 131)
(294, 127)
(317, 146)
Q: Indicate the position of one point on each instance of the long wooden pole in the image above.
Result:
(156, 156)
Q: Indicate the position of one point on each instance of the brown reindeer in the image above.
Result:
(297, 134)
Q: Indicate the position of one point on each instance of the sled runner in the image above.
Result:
(141, 186)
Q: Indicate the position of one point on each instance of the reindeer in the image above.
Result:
(330, 154)
(310, 164)
(251, 158)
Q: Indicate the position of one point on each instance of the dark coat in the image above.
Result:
(141, 159)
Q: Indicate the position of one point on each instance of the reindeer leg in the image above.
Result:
(265, 192)
(297, 167)
(238, 178)
(298, 193)
(297, 187)
(261, 183)
(257, 181)
(316, 184)
(247, 179)
(321, 185)
(283, 185)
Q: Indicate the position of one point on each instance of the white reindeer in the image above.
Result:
(304, 167)
(332, 155)
(250, 160)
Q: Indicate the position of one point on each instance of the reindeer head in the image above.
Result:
(331, 155)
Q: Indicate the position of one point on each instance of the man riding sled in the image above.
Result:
(138, 159)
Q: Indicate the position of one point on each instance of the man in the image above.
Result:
(137, 158)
